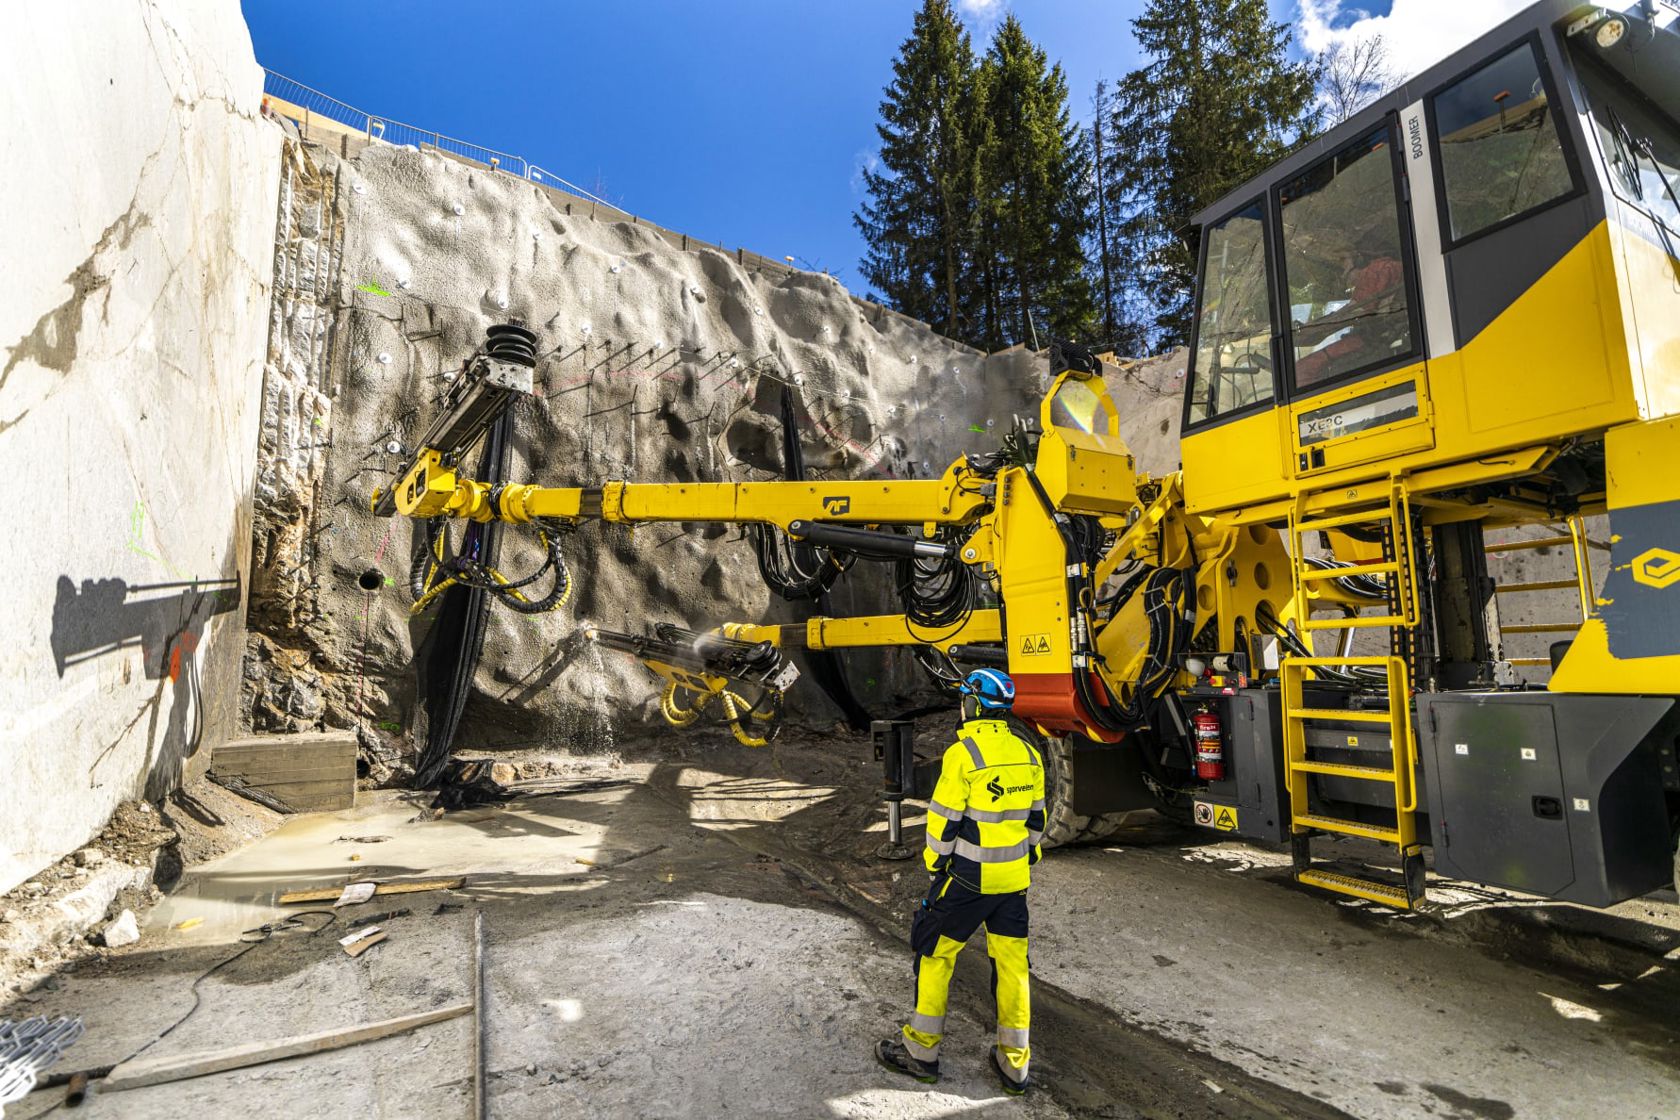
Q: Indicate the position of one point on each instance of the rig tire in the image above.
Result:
(1062, 826)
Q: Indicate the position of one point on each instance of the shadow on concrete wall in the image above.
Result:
(168, 622)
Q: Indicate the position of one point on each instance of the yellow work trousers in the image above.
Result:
(949, 916)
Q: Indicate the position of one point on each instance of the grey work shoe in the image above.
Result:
(1010, 1085)
(891, 1053)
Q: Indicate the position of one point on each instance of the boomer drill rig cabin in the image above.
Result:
(1455, 312)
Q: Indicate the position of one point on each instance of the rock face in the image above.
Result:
(133, 297)
(659, 360)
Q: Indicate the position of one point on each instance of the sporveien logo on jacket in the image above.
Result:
(995, 788)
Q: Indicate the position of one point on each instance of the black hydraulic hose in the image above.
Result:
(991, 656)
(424, 559)
(868, 542)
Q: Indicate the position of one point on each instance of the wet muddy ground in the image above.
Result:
(715, 936)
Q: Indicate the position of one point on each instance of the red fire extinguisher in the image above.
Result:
(1210, 744)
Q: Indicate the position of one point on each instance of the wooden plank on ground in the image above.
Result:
(138, 1072)
(305, 770)
(330, 894)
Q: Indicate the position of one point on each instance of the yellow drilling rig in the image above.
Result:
(1457, 311)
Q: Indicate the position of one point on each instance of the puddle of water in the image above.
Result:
(239, 891)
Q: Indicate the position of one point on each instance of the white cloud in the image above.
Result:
(868, 160)
(1417, 33)
(982, 13)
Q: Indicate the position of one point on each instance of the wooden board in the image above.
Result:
(138, 1072)
(330, 894)
(361, 945)
(308, 770)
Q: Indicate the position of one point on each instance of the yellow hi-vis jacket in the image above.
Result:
(986, 819)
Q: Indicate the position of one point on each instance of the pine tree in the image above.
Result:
(1218, 102)
(1033, 213)
(917, 222)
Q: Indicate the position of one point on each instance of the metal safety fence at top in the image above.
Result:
(312, 108)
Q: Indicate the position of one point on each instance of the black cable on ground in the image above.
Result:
(288, 924)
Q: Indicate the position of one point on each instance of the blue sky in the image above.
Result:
(738, 121)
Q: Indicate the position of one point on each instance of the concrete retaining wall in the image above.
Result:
(139, 204)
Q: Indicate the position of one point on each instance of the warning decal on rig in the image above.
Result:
(1035, 644)
(1221, 817)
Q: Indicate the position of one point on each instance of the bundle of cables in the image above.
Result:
(1018, 448)
(1359, 676)
(435, 570)
(1373, 587)
(937, 593)
(1171, 625)
(794, 571)
(937, 664)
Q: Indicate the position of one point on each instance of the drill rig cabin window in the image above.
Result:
(1501, 156)
(1345, 271)
(1233, 368)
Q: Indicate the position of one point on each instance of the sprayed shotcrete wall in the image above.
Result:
(138, 219)
(658, 363)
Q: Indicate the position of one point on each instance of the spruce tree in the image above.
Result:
(1033, 213)
(1217, 102)
(917, 221)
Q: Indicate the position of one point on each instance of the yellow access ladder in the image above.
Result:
(1402, 616)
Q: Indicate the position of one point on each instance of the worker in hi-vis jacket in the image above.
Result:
(984, 827)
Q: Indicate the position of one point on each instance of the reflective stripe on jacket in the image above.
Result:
(986, 820)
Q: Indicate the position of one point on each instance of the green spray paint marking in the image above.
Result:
(977, 428)
(136, 541)
(372, 288)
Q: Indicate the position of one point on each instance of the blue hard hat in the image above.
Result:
(991, 687)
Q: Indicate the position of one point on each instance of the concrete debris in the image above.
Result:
(355, 944)
(124, 931)
(355, 893)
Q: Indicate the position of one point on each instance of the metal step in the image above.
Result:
(1349, 828)
(1344, 770)
(1388, 894)
(1353, 715)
